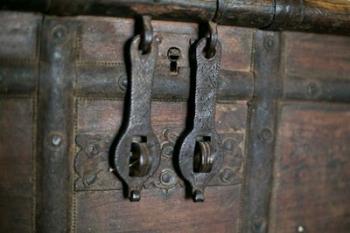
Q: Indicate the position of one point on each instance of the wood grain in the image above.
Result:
(109, 212)
(312, 169)
(310, 56)
(17, 177)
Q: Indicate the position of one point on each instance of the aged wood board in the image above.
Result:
(283, 115)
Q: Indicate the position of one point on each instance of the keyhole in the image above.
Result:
(174, 55)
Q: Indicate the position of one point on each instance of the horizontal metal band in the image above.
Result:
(232, 85)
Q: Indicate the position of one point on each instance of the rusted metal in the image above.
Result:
(200, 156)
(263, 115)
(213, 39)
(147, 34)
(137, 153)
(56, 125)
(93, 171)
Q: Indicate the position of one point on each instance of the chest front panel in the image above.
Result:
(282, 114)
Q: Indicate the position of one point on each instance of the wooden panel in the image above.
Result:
(18, 52)
(109, 212)
(18, 37)
(16, 165)
(316, 56)
(103, 41)
(237, 48)
(312, 169)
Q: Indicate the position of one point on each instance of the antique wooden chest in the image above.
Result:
(115, 123)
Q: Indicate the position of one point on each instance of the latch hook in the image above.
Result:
(200, 156)
(212, 40)
(146, 35)
(137, 154)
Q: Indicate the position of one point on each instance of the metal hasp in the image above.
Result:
(137, 153)
(200, 157)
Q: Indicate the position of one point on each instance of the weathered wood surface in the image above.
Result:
(285, 93)
(311, 174)
(332, 16)
(17, 164)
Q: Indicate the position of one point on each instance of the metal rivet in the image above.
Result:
(59, 33)
(198, 196)
(158, 39)
(268, 43)
(266, 135)
(259, 226)
(92, 149)
(135, 195)
(312, 89)
(57, 55)
(300, 229)
(111, 170)
(227, 175)
(56, 140)
(167, 177)
(168, 150)
(123, 83)
(228, 144)
(169, 135)
(90, 179)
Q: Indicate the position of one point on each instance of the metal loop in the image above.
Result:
(146, 35)
(203, 158)
(220, 8)
(212, 39)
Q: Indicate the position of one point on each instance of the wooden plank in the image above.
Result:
(313, 56)
(17, 167)
(108, 211)
(312, 169)
(316, 67)
(169, 205)
(18, 37)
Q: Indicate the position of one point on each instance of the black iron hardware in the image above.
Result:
(200, 156)
(137, 154)
(212, 40)
(147, 34)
